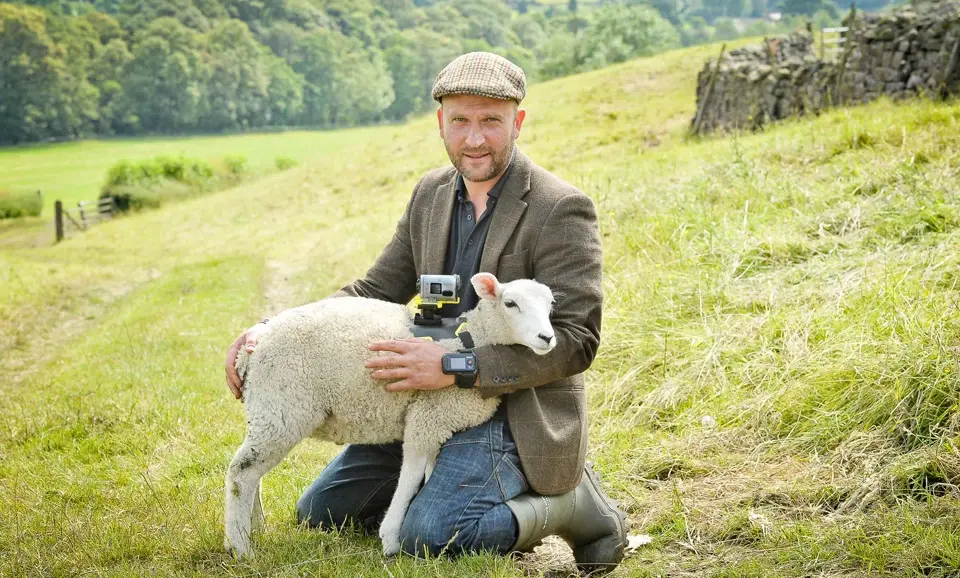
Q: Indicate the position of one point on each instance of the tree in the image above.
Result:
(622, 32)
(486, 20)
(725, 29)
(107, 74)
(238, 79)
(809, 7)
(285, 93)
(166, 77)
(695, 30)
(530, 31)
(343, 83)
(38, 97)
(414, 57)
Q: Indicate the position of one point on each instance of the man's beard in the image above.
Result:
(500, 160)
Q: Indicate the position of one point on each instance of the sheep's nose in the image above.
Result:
(546, 338)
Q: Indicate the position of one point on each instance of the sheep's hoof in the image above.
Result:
(238, 552)
(391, 542)
(391, 549)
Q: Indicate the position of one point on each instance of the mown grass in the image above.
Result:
(798, 286)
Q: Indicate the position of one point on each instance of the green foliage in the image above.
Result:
(16, 205)
(615, 33)
(809, 7)
(41, 97)
(73, 69)
(621, 32)
(236, 164)
(284, 163)
(136, 185)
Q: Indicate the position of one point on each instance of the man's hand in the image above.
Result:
(417, 364)
(247, 340)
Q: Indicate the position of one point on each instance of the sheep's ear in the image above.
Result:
(486, 285)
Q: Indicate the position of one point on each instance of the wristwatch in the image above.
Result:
(462, 365)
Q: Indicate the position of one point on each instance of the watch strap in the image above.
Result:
(465, 380)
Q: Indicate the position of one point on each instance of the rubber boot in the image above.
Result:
(585, 517)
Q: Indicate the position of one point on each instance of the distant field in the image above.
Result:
(775, 395)
(74, 172)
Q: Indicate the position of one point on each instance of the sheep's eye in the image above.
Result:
(511, 304)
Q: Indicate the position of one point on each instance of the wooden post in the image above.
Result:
(707, 93)
(847, 48)
(58, 219)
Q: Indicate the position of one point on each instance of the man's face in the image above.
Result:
(478, 133)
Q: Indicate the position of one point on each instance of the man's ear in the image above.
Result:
(486, 286)
(518, 122)
(440, 119)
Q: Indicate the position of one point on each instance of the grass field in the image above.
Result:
(75, 171)
(797, 288)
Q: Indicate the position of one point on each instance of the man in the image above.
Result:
(493, 211)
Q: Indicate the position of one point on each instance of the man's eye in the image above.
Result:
(510, 304)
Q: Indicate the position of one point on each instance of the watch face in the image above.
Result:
(458, 364)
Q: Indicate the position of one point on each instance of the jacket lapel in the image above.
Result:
(510, 208)
(439, 227)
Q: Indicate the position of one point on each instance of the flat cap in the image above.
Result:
(482, 74)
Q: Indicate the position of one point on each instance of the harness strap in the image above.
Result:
(467, 339)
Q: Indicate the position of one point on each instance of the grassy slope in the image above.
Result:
(798, 286)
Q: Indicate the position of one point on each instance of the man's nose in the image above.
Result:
(475, 138)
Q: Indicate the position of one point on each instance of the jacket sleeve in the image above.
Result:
(393, 276)
(568, 259)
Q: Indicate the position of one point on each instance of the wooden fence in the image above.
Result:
(832, 42)
(69, 222)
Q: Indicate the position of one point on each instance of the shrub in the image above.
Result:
(284, 163)
(235, 164)
(148, 183)
(15, 205)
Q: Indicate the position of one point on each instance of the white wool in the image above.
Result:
(307, 378)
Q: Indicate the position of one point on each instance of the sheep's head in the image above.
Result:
(524, 305)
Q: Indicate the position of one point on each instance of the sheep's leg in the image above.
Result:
(431, 463)
(411, 474)
(249, 465)
(258, 520)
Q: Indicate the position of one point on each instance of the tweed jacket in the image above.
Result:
(545, 229)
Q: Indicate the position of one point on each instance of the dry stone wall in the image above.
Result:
(902, 53)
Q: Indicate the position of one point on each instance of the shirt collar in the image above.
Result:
(494, 193)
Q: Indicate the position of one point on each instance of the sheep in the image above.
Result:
(307, 378)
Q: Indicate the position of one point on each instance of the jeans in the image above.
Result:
(460, 509)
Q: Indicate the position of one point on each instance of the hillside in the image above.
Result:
(797, 286)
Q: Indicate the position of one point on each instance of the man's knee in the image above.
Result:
(315, 512)
(425, 533)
